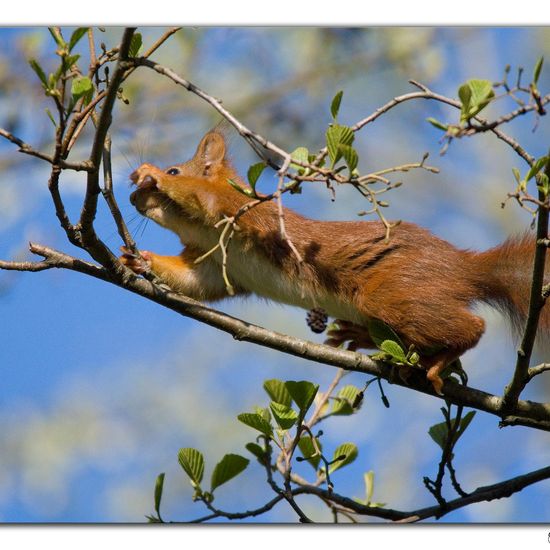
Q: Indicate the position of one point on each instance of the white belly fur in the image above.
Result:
(254, 273)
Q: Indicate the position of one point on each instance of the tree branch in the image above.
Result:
(537, 413)
(536, 302)
(28, 150)
(92, 188)
(503, 489)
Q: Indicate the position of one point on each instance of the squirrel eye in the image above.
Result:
(173, 171)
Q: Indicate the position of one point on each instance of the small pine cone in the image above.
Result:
(316, 320)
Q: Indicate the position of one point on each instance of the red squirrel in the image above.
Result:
(416, 283)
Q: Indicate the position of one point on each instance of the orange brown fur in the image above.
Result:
(420, 285)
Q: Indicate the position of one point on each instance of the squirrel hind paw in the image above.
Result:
(357, 336)
(434, 376)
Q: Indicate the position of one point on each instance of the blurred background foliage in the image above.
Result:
(100, 389)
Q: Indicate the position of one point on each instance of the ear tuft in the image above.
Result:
(211, 149)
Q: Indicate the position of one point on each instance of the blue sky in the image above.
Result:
(101, 388)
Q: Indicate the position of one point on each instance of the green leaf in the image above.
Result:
(57, 37)
(465, 94)
(39, 72)
(277, 391)
(379, 332)
(52, 81)
(257, 451)
(307, 448)
(244, 190)
(285, 416)
(517, 175)
(337, 135)
(394, 349)
(335, 105)
(49, 113)
(350, 156)
(159, 485)
(439, 433)
(465, 422)
(538, 68)
(343, 403)
(82, 87)
(369, 490)
(346, 453)
(135, 45)
(538, 165)
(192, 461)
(69, 61)
(227, 468)
(254, 172)
(300, 154)
(257, 422)
(76, 36)
(481, 91)
(369, 485)
(303, 393)
(264, 413)
(437, 124)
(544, 186)
(475, 95)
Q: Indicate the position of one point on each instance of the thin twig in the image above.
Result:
(324, 398)
(281, 213)
(217, 513)
(28, 150)
(539, 369)
(109, 196)
(503, 489)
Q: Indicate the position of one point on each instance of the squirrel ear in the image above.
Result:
(211, 149)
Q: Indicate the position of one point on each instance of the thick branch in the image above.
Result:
(537, 413)
(92, 188)
(89, 239)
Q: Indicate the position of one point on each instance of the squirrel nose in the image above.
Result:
(143, 181)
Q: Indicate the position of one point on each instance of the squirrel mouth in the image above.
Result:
(145, 183)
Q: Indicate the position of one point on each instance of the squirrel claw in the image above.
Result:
(139, 264)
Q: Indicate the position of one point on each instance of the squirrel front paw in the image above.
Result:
(138, 264)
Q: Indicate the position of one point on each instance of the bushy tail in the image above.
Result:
(508, 272)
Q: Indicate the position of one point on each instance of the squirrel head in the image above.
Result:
(196, 189)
